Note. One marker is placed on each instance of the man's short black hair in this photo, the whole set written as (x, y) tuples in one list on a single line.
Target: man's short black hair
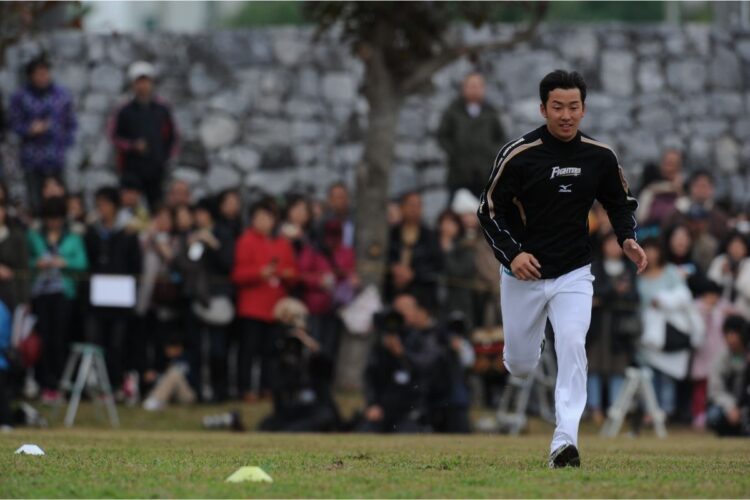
[(131, 183), (207, 205), (402, 199), (37, 62), (701, 173), (737, 324), (337, 185), (561, 79), (267, 204), (108, 193), (53, 208)]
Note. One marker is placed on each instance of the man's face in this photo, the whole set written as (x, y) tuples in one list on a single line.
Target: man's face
[(407, 307), (75, 207), (734, 342), (711, 298), (701, 189), (411, 209), (52, 188), (143, 87), (203, 218), (163, 221), (41, 77), (106, 209), (671, 165), (470, 221), (653, 255), (473, 89), (563, 112), (736, 249), (263, 221), (338, 200), (129, 197), (179, 194), (231, 206)]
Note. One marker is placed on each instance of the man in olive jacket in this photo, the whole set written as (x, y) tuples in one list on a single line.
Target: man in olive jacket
[(469, 133)]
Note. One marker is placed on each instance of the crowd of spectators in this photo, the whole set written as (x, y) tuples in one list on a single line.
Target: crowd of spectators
[(239, 298)]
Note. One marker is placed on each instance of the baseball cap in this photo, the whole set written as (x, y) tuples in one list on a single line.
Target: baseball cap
[(141, 69)]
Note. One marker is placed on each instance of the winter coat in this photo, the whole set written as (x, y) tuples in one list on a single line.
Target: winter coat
[(209, 275), (112, 251), (151, 122), (727, 380), (742, 287), (726, 278), (471, 144), (705, 356), (14, 253), (5, 336), (70, 248), (677, 309), (615, 321), (313, 265), (457, 282), (425, 261), (43, 152), (257, 296)]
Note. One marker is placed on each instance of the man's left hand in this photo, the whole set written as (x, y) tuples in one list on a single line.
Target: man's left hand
[(635, 253)]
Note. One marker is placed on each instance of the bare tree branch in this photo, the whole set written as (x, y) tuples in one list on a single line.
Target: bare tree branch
[(20, 19), (423, 73)]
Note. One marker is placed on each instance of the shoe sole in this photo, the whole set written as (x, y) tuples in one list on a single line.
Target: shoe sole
[(569, 457)]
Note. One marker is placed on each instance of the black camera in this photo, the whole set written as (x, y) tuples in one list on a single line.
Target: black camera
[(388, 321), (456, 324)]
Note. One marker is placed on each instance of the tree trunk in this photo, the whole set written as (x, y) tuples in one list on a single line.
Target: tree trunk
[(373, 173)]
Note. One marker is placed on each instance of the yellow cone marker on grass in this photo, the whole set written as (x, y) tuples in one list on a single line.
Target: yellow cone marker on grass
[(254, 474)]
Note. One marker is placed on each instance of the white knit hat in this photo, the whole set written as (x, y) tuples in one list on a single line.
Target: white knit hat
[(140, 69), (464, 202)]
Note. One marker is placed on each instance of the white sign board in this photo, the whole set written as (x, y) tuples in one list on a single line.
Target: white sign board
[(112, 290)]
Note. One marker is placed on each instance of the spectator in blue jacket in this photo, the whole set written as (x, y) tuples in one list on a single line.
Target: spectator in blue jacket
[(5, 331)]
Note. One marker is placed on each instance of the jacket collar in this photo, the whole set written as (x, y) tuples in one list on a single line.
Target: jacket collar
[(555, 143)]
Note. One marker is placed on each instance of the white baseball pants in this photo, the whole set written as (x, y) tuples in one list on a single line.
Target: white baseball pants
[(566, 300)]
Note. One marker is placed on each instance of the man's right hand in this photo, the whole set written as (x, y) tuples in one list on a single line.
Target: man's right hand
[(140, 146), (374, 413), (525, 267), (734, 416), (268, 271), (39, 127)]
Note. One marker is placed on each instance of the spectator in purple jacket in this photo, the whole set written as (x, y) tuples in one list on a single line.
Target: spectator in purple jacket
[(41, 113)]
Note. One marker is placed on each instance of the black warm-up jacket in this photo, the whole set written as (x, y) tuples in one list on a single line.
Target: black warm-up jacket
[(538, 198)]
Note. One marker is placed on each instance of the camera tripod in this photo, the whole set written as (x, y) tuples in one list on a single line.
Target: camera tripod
[(519, 394), (637, 383)]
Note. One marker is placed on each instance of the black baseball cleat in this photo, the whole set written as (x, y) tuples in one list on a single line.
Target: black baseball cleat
[(565, 456)]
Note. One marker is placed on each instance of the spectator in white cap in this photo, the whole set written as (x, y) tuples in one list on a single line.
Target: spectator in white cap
[(144, 134), (486, 285)]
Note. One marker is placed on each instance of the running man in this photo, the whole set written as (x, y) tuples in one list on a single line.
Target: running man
[(534, 212)]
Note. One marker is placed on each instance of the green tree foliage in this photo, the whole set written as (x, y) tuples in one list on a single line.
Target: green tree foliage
[(271, 13), (267, 14)]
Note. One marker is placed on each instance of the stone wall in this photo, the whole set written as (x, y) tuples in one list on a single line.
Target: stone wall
[(272, 109)]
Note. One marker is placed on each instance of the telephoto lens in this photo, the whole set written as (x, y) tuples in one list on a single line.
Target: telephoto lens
[(231, 420)]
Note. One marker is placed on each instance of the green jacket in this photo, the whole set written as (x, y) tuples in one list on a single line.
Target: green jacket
[(71, 249), (471, 144)]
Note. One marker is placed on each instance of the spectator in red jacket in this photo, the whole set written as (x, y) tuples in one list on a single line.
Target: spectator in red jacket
[(327, 271), (264, 268)]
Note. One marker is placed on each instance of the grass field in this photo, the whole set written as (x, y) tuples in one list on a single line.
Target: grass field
[(174, 462)]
